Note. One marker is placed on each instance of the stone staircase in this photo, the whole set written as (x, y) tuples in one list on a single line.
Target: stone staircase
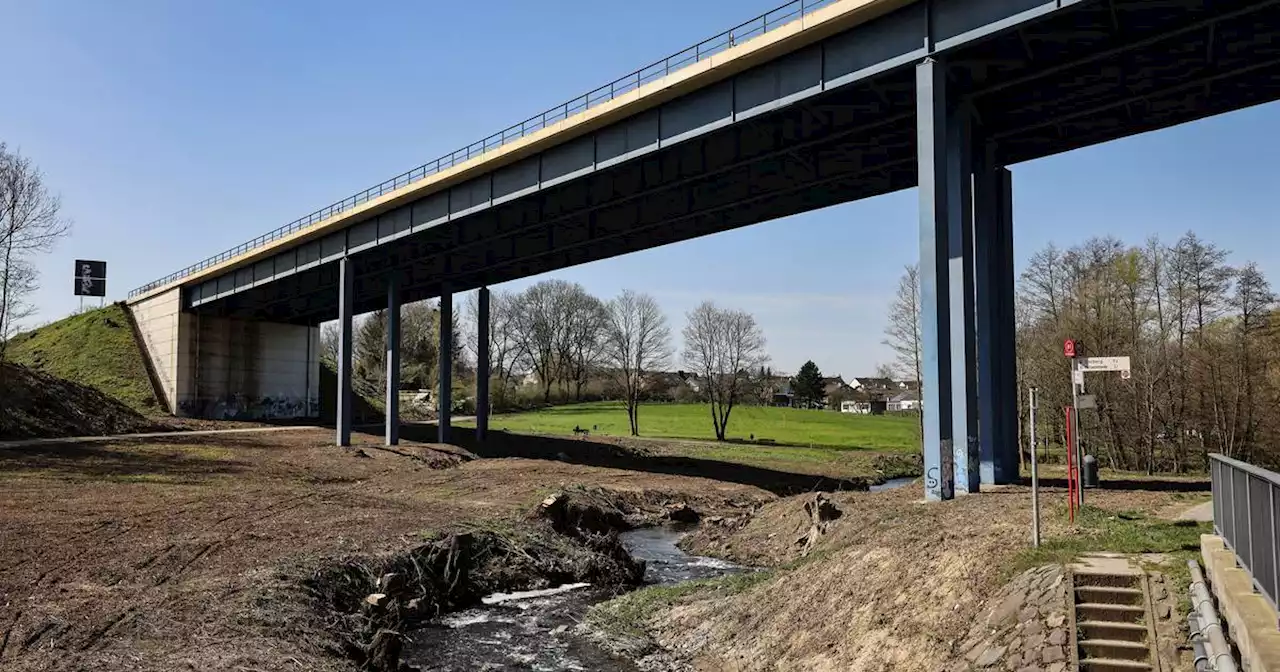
[(1113, 622)]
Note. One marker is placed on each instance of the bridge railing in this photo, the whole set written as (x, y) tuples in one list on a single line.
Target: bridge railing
[(707, 48), (1246, 512)]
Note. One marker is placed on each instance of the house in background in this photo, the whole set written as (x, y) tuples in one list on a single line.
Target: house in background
[(908, 400)]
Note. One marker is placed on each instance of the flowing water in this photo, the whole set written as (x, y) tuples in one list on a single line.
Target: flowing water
[(534, 630)]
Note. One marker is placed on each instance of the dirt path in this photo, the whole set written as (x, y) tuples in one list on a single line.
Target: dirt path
[(150, 555)]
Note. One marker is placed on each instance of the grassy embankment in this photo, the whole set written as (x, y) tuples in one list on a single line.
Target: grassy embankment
[(95, 348)]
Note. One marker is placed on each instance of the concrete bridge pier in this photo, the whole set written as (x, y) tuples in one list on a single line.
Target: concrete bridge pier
[(482, 364), (444, 405)]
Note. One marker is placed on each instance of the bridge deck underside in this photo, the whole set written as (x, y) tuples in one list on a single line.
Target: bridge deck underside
[(1072, 77)]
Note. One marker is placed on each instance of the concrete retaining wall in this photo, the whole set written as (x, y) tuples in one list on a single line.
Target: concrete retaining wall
[(254, 370), (1253, 625), (226, 368)]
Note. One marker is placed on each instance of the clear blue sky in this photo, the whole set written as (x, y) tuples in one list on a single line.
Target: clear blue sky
[(174, 130)]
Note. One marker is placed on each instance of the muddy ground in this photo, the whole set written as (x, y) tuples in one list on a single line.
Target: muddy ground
[(162, 556), (202, 553)]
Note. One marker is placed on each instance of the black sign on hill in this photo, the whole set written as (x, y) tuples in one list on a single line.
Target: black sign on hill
[(91, 278)]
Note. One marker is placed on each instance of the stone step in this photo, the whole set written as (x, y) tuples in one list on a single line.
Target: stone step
[(1112, 665), (1129, 632), (1119, 613), (1108, 595), (1083, 579), (1116, 649)]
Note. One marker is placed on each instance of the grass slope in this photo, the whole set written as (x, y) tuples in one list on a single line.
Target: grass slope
[(785, 426), (95, 348)]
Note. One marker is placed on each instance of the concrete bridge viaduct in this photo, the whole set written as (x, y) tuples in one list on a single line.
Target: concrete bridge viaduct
[(816, 103)]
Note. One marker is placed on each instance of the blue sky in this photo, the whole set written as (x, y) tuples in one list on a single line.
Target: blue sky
[(174, 130)]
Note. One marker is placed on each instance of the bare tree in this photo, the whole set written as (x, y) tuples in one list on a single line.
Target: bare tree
[(724, 347), (30, 223), (582, 341), (903, 332), (541, 316), (637, 340)]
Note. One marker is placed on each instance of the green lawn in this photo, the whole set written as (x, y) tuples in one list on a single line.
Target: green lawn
[(785, 426)]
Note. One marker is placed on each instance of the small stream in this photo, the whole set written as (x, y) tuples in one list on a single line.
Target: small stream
[(534, 630)]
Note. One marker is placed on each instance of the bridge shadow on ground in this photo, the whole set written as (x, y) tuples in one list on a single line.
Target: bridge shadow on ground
[(601, 454), (129, 462), (1147, 484)]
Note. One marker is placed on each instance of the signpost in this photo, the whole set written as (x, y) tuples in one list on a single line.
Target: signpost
[(1035, 472), (91, 279), (1080, 365)]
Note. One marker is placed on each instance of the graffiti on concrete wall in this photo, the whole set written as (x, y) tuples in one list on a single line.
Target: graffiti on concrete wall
[(246, 407)]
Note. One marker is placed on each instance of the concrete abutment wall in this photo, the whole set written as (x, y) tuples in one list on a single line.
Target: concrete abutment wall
[(224, 368)]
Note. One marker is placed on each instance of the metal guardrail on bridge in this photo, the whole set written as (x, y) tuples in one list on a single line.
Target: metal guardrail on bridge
[(760, 25), (1246, 514)]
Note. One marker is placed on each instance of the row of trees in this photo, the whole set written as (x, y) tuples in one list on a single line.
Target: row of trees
[(1204, 345), (561, 337), (1202, 335)]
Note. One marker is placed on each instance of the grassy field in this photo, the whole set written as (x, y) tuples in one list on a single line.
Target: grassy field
[(784, 426), (95, 348)]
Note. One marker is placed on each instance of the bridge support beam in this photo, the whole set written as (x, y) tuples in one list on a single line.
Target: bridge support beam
[(482, 364), (444, 400), (997, 358), (964, 384), (932, 116), (346, 296), (393, 360)]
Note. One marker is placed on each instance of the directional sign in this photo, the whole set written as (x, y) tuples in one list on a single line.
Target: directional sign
[(1104, 363)]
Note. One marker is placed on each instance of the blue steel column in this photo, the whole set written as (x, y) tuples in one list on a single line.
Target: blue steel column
[(1006, 356), (346, 291), (964, 385), (997, 357), (935, 314), (986, 226), (444, 400), (482, 364), (393, 360)]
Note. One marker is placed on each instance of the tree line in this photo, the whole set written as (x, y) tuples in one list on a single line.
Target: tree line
[(558, 338), (1201, 334)]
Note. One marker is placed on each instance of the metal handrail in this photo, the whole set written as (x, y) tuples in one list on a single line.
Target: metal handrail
[(1245, 516), (747, 30)]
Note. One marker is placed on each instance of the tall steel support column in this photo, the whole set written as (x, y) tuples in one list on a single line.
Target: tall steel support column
[(346, 296), (964, 384), (1000, 406), (393, 360), (932, 113), (986, 217), (444, 400), (482, 364)]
